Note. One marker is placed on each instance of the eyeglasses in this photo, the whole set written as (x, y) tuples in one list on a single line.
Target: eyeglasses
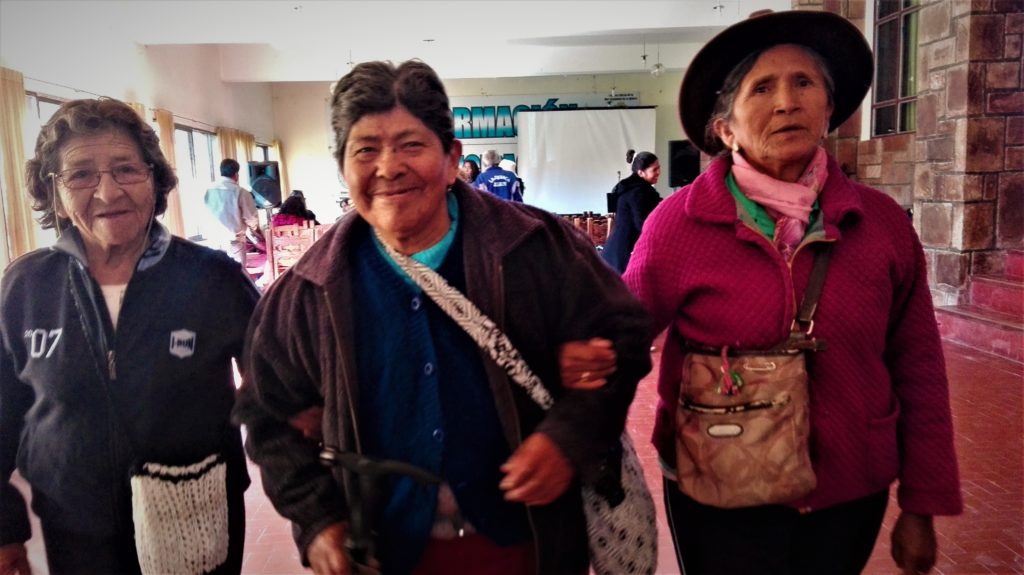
[(82, 178)]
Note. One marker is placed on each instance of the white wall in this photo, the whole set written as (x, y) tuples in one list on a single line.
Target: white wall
[(301, 122), (65, 54), (36, 40), (187, 82)]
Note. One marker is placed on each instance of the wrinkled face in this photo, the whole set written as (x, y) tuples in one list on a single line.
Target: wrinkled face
[(109, 215), (781, 112), (651, 174), (398, 173)]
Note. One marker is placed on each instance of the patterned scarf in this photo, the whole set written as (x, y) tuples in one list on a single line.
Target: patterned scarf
[(789, 203)]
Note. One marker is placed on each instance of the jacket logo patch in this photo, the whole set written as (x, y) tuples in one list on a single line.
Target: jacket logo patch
[(183, 343), (42, 342)]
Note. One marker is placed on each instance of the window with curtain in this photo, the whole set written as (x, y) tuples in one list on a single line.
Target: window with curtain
[(894, 106), (194, 155), (39, 109)]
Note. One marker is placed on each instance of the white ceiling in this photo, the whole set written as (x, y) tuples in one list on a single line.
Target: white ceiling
[(315, 40)]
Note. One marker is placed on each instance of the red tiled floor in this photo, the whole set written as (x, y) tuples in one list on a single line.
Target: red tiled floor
[(986, 394)]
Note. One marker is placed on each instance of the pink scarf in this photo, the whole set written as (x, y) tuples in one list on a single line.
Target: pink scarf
[(789, 203)]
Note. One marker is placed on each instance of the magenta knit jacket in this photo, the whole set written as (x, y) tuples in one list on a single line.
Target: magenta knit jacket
[(879, 396)]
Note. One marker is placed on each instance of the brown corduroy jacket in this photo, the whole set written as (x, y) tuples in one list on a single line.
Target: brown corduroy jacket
[(538, 278)]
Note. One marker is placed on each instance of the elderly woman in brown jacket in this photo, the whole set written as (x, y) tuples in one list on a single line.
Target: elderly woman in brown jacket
[(346, 330)]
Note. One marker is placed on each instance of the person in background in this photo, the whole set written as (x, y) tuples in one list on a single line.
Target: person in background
[(116, 347), (510, 166), (232, 207), (349, 338), (493, 179), (469, 171), (293, 211), (724, 262), (634, 198)]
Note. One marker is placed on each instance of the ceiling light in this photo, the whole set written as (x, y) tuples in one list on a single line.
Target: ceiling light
[(658, 70)]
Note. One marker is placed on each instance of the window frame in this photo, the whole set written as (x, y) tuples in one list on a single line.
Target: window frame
[(192, 211), (903, 106)]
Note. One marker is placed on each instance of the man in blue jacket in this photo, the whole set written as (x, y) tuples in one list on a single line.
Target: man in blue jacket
[(493, 179)]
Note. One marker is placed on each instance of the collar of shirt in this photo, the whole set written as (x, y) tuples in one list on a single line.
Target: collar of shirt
[(433, 256)]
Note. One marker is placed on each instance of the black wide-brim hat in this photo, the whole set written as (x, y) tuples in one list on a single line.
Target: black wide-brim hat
[(838, 41)]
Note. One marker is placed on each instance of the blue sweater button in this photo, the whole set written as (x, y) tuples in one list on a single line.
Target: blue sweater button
[(438, 435)]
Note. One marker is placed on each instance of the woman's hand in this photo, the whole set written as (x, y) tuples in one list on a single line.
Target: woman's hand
[(14, 560), (309, 422), (537, 473), (586, 364), (913, 543), (326, 553)]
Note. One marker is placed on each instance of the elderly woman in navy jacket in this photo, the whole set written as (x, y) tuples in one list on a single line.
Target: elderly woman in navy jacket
[(116, 347)]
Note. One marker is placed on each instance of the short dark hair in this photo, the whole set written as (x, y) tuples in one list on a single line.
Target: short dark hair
[(87, 117), (229, 168), (294, 205), (378, 87)]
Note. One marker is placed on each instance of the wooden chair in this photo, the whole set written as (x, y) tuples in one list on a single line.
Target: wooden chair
[(286, 244), (319, 230)]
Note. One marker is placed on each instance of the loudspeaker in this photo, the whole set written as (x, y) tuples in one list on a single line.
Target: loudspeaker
[(613, 201), (684, 163), (266, 184)]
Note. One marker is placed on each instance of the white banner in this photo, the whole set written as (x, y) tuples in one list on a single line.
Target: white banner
[(570, 159), (490, 122)]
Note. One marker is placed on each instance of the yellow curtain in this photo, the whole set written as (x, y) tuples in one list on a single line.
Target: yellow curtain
[(139, 108), (173, 218), (277, 155), (237, 145), (17, 225)]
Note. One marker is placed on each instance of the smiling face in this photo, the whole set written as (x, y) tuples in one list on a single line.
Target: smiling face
[(398, 174), (111, 217), (651, 173), (780, 114)]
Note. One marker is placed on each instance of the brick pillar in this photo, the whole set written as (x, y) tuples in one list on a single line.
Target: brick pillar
[(962, 171), (968, 166)]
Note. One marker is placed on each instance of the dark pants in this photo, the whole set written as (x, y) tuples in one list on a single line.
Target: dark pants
[(73, 553), (773, 539)]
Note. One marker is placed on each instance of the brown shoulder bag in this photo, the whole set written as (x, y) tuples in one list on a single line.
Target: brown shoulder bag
[(743, 422)]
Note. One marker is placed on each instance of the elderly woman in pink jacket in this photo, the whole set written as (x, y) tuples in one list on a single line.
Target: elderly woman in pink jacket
[(723, 264)]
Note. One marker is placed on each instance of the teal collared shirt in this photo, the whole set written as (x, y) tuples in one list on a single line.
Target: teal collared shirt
[(433, 256)]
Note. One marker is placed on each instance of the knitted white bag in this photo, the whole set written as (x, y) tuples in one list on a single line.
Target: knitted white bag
[(623, 539), (181, 517)]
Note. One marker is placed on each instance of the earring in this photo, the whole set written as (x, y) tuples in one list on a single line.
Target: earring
[(735, 146)]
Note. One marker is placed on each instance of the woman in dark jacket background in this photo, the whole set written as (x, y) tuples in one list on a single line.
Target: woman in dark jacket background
[(635, 198)]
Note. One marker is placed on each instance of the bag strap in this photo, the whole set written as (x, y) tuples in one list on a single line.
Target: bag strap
[(481, 328), (814, 286)]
